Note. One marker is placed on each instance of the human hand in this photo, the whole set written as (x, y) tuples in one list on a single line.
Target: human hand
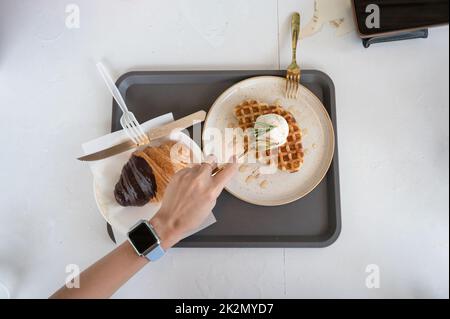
[(189, 199)]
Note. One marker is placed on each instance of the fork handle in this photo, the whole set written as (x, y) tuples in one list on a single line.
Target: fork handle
[(295, 26), (112, 87), (218, 169)]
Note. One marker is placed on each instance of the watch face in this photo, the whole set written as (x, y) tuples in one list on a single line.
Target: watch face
[(142, 238)]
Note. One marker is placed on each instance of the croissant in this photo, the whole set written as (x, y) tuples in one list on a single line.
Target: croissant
[(145, 176)]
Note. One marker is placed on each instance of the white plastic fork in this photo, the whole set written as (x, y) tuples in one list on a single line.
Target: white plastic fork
[(128, 121)]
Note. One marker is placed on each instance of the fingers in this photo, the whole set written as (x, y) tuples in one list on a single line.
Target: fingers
[(208, 165), (227, 173)]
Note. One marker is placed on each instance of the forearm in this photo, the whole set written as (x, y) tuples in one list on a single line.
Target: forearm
[(180, 213), (106, 276)]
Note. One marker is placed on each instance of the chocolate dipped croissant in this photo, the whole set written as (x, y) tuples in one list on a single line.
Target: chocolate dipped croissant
[(137, 184), (145, 176)]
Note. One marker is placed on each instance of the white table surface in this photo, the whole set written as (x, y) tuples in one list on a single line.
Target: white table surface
[(393, 125)]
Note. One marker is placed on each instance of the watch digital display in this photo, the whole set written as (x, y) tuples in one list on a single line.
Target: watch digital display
[(142, 238)]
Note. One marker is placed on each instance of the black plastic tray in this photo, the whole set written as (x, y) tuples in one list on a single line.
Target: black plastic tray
[(313, 221)]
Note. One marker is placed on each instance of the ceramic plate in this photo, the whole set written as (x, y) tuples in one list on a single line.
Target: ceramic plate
[(318, 141)]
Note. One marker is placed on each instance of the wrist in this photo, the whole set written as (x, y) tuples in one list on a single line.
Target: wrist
[(166, 231)]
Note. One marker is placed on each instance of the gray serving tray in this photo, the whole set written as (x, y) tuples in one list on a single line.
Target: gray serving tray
[(313, 221)]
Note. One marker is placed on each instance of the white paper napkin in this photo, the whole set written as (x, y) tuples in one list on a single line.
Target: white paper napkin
[(107, 172)]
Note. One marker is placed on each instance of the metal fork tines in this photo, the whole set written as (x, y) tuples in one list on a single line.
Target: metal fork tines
[(293, 72)]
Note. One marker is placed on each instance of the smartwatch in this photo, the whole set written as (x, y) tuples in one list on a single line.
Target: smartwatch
[(145, 241)]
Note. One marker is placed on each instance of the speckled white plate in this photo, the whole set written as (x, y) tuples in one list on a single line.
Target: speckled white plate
[(318, 140)]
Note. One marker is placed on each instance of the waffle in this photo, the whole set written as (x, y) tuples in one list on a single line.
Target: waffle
[(290, 155)]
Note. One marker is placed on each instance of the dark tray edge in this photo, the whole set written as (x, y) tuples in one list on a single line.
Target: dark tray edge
[(333, 237)]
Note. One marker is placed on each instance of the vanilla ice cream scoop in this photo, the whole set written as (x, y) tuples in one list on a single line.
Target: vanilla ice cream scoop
[(272, 127)]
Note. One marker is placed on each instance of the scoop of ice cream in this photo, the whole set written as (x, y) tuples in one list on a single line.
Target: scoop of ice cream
[(272, 127)]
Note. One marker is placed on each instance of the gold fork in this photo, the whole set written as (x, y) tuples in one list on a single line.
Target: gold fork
[(293, 72)]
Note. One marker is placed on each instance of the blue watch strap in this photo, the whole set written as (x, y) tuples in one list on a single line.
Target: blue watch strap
[(156, 253)]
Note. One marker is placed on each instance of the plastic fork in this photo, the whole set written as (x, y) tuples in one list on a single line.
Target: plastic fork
[(128, 121), (293, 72)]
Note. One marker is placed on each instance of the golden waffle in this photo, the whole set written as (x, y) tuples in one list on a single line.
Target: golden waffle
[(290, 155)]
